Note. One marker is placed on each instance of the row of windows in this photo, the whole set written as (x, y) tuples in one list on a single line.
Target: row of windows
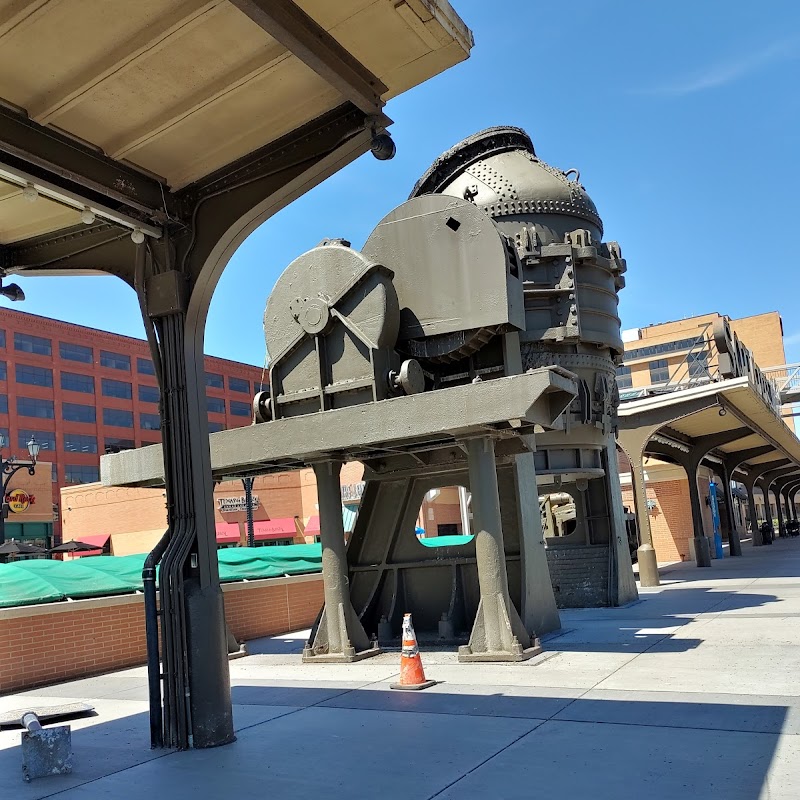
[(659, 370), (26, 343), (73, 442), (661, 349)]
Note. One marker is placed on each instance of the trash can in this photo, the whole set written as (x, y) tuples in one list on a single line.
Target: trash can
[(766, 533)]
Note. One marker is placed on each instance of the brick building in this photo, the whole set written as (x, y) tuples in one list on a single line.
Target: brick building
[(669, 355), (82, 392)]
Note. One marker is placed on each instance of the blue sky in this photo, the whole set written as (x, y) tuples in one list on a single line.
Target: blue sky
[(682, 117)]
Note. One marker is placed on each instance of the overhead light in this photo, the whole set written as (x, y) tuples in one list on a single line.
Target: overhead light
[(12, 291), (87, 216), (137, 237), (30, 193), (723, 411), (383, 146)]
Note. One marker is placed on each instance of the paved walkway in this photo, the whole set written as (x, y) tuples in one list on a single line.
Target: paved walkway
[(690, 692)]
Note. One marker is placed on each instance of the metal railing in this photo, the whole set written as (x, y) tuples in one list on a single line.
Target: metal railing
[(787, 379)]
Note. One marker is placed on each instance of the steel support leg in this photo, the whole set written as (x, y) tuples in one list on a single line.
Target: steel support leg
[(498, 633), (622, 589), (339, 636), (539, 610)]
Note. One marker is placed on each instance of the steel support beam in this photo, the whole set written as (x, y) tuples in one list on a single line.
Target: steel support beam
[(749, 481), (288, 24), (80, 169)]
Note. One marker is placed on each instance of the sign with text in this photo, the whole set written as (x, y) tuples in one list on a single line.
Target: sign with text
[(228, 505), (19, 500), (351, 492)]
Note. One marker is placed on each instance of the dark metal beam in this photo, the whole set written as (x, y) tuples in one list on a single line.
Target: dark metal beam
[(317, 49), (51, 155)]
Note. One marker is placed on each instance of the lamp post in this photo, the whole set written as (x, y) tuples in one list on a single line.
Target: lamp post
[(10, 468)]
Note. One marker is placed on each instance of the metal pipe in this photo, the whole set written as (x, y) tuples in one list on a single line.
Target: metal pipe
[(151, 633)]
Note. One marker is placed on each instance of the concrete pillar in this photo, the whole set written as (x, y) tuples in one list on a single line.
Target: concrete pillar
[(339, 636), (633, 443), (735, 546), (498, 633)]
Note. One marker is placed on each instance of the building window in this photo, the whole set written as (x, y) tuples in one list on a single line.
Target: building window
[(144, 366), (32, 407), (215, 405), (239, 409), (214, 381), (624, 379), (32, 344), (661, 349), (115, 361), (77, 412), (659, 371), (119, 389), (3, 371), (698, 364), (149, 394), (2, 338), (4, 404), (150, 422), (239, 385), (80, 443), (81, 473), (215, 427), (117, 417), (258, 386), (55, 473), (75, 352), (114, 445), (46, 439), (74, 382), (34, 376)]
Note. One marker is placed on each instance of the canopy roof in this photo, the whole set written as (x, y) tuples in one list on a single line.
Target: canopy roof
[(115, 104), (683, 417)]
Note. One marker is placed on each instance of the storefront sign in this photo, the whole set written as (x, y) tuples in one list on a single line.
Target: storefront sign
[(736, 361), (228, 505), (351, 492), (19, 500)]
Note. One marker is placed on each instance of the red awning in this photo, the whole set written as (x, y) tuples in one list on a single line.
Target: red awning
[(283, 528), (313, 525), (227, 532), (97, 539)]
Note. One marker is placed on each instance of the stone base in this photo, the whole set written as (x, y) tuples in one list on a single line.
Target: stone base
[(347, 657), (466, 656)]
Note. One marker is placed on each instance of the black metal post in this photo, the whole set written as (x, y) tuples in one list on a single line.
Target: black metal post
[(248, 501), (10, 468)]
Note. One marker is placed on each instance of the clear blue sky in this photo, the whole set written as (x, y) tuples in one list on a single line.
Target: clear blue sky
[(682, 118)]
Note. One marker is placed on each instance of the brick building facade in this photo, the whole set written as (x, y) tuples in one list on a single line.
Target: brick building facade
[(674, 353), (82, 392)]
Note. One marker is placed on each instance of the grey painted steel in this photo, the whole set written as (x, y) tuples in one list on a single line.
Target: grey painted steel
[(734, 545), (498, 633), (201, 227), (338, 635), (571, 281), (424, 422)]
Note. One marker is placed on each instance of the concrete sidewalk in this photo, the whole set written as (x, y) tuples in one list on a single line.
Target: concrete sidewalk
[(690, 692)]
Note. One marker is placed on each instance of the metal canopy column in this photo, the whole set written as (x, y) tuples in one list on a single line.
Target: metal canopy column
[(690, 461), (782, 486), (174, 277), (749, 481), (766, 482), (734, 545)]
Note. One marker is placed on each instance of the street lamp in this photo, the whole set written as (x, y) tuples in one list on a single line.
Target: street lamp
[(10, 468)]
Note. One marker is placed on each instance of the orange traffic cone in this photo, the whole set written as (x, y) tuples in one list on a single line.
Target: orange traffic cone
[(412, 676)]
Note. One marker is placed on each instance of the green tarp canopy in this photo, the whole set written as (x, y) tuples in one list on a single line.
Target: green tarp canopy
[(44, 581), (447, 541)]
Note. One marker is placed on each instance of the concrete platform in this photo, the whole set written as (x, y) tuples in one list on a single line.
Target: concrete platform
[(690, 692)]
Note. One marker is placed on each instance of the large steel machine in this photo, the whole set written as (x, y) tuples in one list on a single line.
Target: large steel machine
[(471, 342)]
